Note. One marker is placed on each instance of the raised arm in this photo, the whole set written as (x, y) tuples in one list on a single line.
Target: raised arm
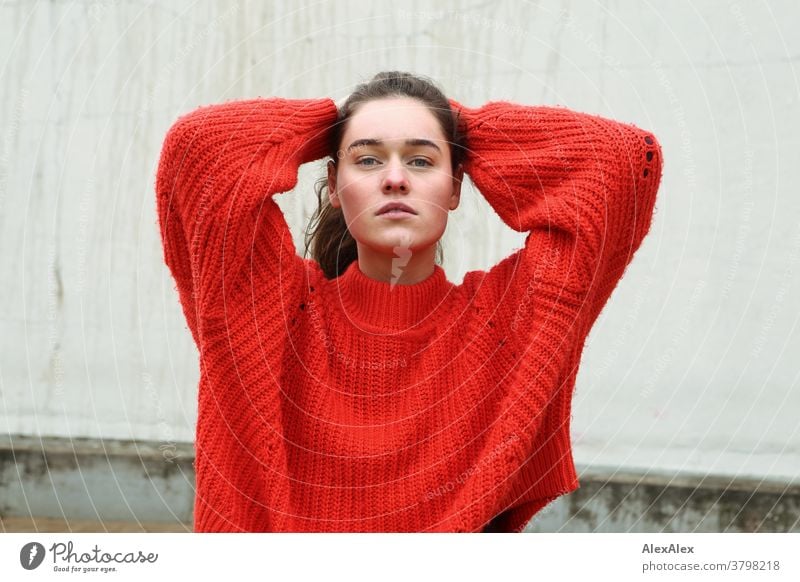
[(584, 186), (584, 189), (219, 167)]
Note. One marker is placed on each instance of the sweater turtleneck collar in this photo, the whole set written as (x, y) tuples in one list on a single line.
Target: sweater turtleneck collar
[(379, 305)]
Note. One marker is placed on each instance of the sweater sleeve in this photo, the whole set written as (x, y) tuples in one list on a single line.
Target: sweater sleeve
[(584, 189), (582, 186), (219, 166)]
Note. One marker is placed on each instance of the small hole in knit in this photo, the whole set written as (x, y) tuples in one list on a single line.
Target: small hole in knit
[(302, 306), (312, 289), (649, 156), (491, 323), (648, 140), (646, 171), (293, 320)]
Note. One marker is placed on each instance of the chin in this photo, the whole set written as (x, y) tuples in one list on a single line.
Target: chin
[(388, 245)]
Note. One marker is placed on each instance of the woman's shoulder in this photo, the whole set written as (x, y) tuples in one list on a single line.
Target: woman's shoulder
[(491, 280)]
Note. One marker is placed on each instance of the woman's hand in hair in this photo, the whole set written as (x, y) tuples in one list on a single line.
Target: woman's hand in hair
[(464, 114), (466, 118)]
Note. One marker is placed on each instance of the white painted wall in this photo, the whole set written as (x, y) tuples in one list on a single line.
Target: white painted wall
[(692, 365)]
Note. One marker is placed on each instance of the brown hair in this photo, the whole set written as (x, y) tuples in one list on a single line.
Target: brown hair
[(331, 243)]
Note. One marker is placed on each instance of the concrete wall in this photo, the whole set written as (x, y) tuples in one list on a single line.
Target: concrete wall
[(57, 484), (693, 364)]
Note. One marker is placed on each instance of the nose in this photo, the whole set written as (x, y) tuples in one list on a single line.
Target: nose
[(395, 179)]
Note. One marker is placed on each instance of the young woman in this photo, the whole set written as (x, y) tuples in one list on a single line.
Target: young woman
[(360, 390)]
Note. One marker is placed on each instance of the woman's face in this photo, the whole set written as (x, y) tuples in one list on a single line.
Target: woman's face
[(393, 150)]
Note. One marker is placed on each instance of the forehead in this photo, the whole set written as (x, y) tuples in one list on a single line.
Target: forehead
[(390, 118)]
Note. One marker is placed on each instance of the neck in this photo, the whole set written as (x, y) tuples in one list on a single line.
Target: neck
[(402, 268), (384, 307)]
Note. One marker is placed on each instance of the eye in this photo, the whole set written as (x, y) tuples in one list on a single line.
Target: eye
[(425, 162), (361, 161)]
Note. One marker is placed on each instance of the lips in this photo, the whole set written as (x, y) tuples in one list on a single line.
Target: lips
[(397, 206)]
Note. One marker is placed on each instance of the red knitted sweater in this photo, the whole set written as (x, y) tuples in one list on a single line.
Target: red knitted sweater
[(354, 405)]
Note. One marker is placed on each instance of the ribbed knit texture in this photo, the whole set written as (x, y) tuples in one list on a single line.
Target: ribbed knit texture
[(355, 405)]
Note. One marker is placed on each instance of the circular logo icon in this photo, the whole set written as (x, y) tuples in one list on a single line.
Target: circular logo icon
[(31, 555)]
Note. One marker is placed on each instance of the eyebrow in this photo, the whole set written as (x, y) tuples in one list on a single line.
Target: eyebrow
[(409, 142)]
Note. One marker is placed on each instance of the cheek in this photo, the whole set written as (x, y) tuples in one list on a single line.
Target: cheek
[(354, 197), (443, 191), (347, 189), (356, 181)]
